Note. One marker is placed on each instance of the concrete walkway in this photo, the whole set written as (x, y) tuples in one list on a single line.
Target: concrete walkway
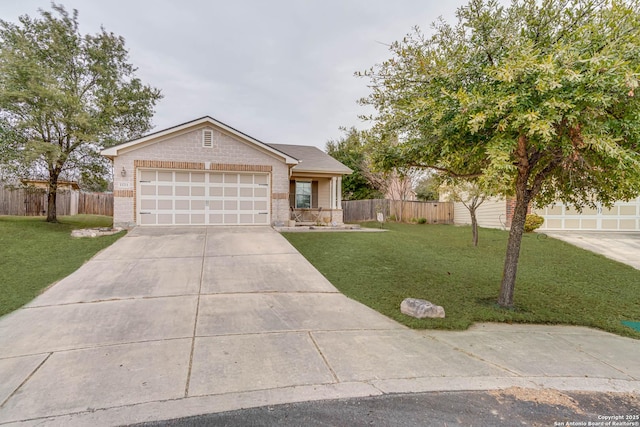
[(170, 323), (617, 245)]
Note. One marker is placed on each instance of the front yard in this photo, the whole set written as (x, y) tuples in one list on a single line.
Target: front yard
[(557, 283), (35, 254)]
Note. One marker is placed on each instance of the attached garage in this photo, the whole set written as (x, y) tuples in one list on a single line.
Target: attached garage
[(622, 216), (199, 173), (206, 173), (182, 197)]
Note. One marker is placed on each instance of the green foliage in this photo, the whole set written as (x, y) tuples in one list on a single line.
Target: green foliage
[(422, 220), (91, 182), (65, 96), (558, 77), (535, 100), (560, 283), (350, 150), (36, 254), (428, 189), (533, 222)]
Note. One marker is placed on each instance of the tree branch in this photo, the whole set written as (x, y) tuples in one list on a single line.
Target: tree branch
[(447, 171)]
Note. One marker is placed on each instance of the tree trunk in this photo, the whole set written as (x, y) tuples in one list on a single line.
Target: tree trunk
[(474, 226), (513, 245), (51, 197)]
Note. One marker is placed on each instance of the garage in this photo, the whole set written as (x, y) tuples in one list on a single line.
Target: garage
[(183, 197), (495, 213), (622, 216), (204, 172)]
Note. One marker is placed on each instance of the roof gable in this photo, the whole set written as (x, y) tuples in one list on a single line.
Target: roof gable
[(151, 138), (312, 159)]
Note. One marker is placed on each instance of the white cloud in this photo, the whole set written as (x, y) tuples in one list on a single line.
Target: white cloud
[(278, 70)]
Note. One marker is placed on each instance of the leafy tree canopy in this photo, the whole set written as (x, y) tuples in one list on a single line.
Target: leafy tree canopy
[(350, 150), (539, 97), (427, 188), (64, 96), (548, 87)]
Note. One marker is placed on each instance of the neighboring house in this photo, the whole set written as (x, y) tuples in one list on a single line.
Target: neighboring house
[(44, 184), (400, 188), (492, 213), (497, 213), (205, 172)]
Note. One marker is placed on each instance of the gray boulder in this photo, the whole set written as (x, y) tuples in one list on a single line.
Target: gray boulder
[(421, 308)]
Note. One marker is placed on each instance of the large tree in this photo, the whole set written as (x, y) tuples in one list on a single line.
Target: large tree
[(350, 150), (64, 96), (539, 95)]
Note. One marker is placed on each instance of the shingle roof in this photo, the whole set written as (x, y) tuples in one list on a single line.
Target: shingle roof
[(312, 159), (112, 152)]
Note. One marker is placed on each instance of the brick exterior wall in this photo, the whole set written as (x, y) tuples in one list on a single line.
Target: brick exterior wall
[(511, 206), (185, 151)]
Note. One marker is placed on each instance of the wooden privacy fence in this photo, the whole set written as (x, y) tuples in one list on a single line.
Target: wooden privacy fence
[(33, 202), (364, 210), (406, 211), (95, 203)]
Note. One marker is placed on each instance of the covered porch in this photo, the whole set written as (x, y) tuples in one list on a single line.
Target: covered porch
[(315, 200), (315, 186)]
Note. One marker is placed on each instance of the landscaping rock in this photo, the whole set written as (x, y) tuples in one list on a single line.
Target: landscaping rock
[(420, 308), (95, 232)]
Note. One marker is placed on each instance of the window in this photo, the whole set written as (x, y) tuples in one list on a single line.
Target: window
[(303, 194)]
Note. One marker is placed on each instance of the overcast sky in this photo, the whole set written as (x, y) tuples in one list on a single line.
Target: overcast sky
[(280, 71)]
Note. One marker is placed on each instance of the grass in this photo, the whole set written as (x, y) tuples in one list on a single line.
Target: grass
[(557, 283), (34, 254)]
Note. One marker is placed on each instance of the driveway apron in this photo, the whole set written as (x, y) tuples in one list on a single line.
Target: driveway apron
[(621, 246), (172, 322)]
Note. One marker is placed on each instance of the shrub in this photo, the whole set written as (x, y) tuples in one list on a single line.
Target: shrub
[(422, 220), (532, 222)]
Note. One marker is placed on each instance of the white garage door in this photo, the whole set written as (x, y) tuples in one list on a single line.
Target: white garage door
[(168, 197), (623, 216)]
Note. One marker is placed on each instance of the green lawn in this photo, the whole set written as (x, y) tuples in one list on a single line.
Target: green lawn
[(557, 283), (35, 254)]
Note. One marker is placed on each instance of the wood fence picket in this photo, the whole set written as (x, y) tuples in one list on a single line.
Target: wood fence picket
[(33, 202), (366, 210)]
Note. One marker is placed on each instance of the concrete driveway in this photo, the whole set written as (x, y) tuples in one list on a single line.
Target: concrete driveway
[(620, 246), (174, 322)]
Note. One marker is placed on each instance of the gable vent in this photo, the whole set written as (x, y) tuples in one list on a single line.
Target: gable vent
[(207, 138)]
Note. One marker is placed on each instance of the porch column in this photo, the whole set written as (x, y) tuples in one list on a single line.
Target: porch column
[(332, 193), (339, 193)]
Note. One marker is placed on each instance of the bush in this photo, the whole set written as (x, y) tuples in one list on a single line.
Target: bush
[(422, 220), (532, 222)]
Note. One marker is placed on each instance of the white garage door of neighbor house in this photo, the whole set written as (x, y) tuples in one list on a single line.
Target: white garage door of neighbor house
[(623, 216), (174, 197)]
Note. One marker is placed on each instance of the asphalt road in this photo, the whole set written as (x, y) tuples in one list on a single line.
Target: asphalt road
[(511, 407)]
